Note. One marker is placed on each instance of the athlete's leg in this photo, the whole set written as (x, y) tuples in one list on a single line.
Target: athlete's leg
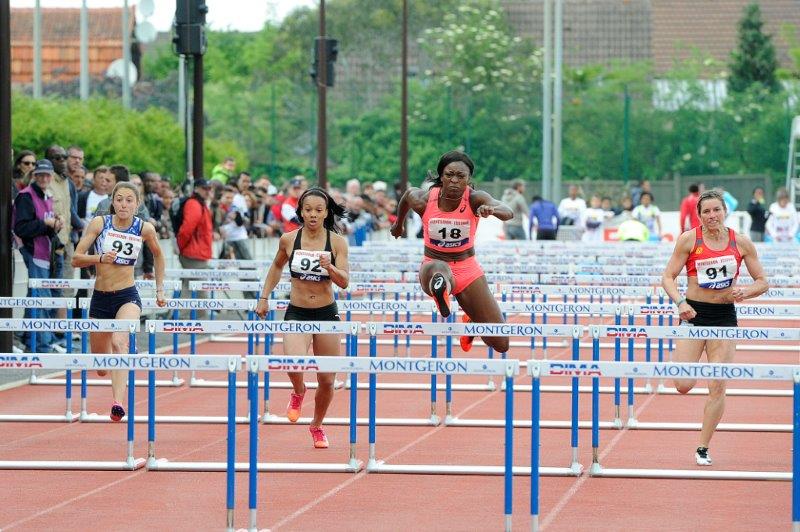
[(119, 346), (687, 351), (437, 281), (718, 351), (296, 345), (480, 305), (100, 344), (324, 345)]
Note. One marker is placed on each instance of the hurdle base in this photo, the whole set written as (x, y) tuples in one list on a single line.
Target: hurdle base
[(595, 470), (74, 465), (163, 464), (272, 419), (103, 418), (700, 474), (68, 417), (726, 427), (523, 423), (379, 466), (161, 383)]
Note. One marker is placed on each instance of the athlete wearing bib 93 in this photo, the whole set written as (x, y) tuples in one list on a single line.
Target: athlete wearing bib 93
[(127, 243), (712, 254)]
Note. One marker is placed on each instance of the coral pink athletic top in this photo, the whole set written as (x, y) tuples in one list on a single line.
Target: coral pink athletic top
[(451, 231), (714, 269)]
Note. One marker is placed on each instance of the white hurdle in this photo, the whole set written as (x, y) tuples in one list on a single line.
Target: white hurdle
[(36, 361)]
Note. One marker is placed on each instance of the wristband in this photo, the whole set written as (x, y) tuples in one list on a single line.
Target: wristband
[(100, 258), (680, 301), (264, 298)]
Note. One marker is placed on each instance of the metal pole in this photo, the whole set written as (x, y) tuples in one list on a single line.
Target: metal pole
[(126, 57), (197, 118), (322, 78), (547, 103), (557, 93), (273, 145), (6, 253), (84, 79), (404, 105), (182, 114), (37, 50), (626, 132)]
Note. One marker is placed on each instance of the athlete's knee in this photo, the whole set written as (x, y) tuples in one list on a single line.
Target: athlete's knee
[(499, 344), (684, 387), (716, 389), (119, 346), (325, 382)]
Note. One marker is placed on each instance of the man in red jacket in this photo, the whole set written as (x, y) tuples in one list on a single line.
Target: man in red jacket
[(689, 218), (196, 232)]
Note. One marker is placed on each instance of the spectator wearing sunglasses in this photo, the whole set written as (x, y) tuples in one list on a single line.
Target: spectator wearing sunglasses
[(23, 164)]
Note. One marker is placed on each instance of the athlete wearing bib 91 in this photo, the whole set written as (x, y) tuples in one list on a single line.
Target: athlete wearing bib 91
[(317, 258), (450, 211), (117, 239), (712, 255)]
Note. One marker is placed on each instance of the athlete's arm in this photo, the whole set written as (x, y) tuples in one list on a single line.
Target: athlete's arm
[(274, 273), (340, 271), (150, 237), (676, 263), (81, 259), (485, 205), (750, 258), (413, 199)]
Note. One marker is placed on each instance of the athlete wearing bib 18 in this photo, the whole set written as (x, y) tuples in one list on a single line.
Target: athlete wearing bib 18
[(317, 257), (116, 240), (450, 211), (712, 255)]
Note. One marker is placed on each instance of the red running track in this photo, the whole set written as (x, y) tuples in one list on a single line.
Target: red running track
[(77, 500)]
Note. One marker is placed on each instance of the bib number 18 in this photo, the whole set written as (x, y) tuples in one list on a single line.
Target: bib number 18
[(455, 233)]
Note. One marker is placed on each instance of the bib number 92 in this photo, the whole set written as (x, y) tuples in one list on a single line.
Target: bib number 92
[(308, 265)]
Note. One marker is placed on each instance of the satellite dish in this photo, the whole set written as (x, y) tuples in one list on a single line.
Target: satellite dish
[(145, 32), (116, 70), (147, 7)]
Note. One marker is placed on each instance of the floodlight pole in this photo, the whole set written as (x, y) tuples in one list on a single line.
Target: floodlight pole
[(6, 252), (322, 80), (404, 105)]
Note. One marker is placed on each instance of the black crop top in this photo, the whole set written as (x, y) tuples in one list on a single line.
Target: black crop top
[(304, 264)]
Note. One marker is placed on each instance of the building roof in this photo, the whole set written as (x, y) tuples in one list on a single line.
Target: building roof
[(711, 27)]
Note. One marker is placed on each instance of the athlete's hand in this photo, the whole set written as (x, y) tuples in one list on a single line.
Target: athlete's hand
[(262, 308), (325, 261), (149, 276), (737, 295), (108, 257), (396, 229), (686, 312), (161, 301), (485, 211)]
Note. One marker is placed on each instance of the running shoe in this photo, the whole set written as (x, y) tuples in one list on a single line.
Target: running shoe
[(294, 406), (318, 435), (440, 294), (702, 457), (117, 412), (466, 341)]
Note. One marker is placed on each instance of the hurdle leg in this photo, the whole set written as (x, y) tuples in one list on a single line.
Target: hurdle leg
[(129, 460), (535, 441), (372, 461), (252, 393), (177, 381), (434, 354), (617, 358), (575, 466), (508, 470), (68, 381), (151, 404), (595, 467), (448, 379), (354, 463), (84, 349), (193, 340), (796, 456), (230, 469)]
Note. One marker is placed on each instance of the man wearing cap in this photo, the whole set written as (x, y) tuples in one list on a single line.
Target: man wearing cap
[(195, 235), (37, 225), (289, 207)]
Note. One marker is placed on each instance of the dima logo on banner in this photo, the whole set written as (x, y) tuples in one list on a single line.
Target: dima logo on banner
[(402, 328), (284, 364), (570, 369), (626, 332), (182, 327), (10, 361)]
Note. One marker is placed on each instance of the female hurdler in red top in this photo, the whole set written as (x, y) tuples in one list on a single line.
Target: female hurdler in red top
[(450, 210)]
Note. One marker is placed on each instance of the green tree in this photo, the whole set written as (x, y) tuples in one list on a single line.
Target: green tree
[(753, 61)]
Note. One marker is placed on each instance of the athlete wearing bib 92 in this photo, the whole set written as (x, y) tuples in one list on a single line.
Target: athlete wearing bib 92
[(117, 239), (317, 258), (712, 255), (450, 211)]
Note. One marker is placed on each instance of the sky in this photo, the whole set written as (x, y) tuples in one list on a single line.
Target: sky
[(242, 15)]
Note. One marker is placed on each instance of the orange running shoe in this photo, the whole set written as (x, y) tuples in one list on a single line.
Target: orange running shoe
[(440, 294), (294, 406), (318, 435), (466, 341)]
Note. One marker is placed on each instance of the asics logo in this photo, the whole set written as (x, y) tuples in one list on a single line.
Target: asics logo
[(463, 208), (437, 284)]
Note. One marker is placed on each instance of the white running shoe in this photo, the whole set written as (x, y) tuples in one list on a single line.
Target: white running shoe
[(702, 457)]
